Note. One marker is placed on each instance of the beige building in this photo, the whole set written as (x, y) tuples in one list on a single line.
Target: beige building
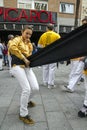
[(65, 10), (84, 9)]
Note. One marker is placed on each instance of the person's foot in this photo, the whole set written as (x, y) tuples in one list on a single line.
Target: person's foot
[(51, 86), (1, 69), (27, 119), (45, 84), (82, 80), (83, 112), (31, 104), (78, 83), (69, 90)]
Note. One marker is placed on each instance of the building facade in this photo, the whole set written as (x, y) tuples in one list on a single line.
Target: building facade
[(84, 9), (66, 10), (60, 12)]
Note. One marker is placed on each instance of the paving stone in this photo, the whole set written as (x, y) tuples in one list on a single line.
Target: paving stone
[(37, 126), (57, 121), (55, 109), (12, 122), (37, 113)]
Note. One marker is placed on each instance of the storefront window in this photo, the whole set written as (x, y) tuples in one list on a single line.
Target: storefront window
[(25, 5), (40, 6), (67, 8), (65, 29), (1, 2)]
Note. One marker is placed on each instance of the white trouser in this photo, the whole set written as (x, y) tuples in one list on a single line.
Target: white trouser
[(85, 83), (49, 73), (9, 61), (1, 63), (28, 83), (76, 73)]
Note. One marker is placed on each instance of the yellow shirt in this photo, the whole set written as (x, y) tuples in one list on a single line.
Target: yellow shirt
[(85, 72), (76, 58), (48, 38), (20, 48)]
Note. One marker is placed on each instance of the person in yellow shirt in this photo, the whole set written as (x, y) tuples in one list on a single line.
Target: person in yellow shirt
[(20, 49), (46, 39)]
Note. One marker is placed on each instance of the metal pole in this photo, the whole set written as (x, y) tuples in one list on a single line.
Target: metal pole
[(77, 13)]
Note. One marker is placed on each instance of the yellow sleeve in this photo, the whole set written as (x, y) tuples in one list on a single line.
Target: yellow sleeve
[(59, 36), (30, 48), (42, 41), (13, 48)]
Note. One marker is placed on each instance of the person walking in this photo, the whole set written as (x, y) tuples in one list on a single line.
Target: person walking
[(48, 70), (1, 56), (76, 73), (10, 37), (5, 54), (20, 49), (83, 111)]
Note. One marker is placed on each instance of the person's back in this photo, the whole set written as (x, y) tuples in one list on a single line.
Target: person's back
[(48, 70), (48, 37)]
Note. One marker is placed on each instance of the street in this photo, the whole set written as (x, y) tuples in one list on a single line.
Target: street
[(55, 109)]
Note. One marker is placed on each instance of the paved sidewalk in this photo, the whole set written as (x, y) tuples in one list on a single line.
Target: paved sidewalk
[(56, 109)]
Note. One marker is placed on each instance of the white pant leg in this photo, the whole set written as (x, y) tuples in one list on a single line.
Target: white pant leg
[(45, 73), (32, 81), (85, 83), (9, 62), (21, 76), (76, 74), (9, 59), (52, 68), (1, 62), (73, 68)]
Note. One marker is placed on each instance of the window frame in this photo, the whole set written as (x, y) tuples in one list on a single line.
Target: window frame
[(25, 3), (1, 3), (73, 5), (40, 2)]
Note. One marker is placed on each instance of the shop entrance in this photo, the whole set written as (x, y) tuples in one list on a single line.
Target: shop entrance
[(34, 38)]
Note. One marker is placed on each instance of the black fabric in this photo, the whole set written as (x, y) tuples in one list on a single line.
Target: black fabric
[(16, 61), (72, 45)]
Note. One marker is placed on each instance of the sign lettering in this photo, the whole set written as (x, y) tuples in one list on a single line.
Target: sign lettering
[(28, 16)]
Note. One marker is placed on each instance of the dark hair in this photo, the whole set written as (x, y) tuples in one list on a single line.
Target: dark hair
[(27, 27), (50, 26)]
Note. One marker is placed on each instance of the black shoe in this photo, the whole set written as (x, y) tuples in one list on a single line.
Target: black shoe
[(27, 120), (83, 112), (81, 80), (31, 104)]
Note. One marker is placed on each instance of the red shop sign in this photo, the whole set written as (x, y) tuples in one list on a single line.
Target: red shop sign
[(30, 16)]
